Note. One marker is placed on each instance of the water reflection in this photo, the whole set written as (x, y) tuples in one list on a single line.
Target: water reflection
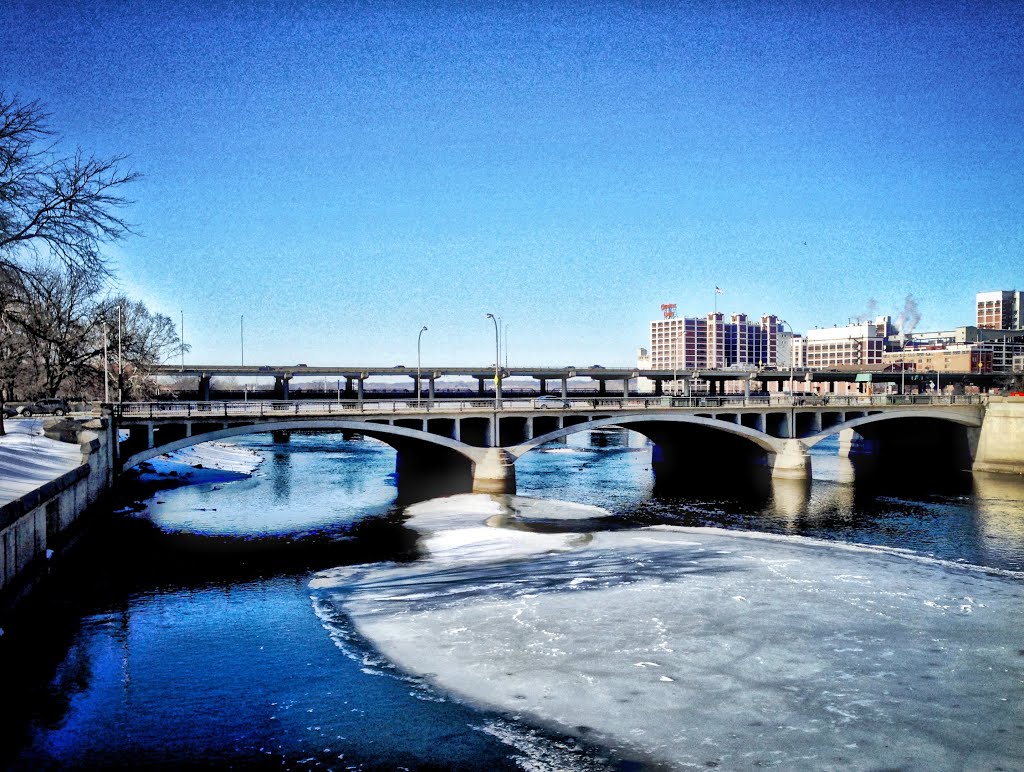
[(790, 500), (279, 472), (999, 506)]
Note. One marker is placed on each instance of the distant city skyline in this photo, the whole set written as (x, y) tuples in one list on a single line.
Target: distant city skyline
[(345, 175)]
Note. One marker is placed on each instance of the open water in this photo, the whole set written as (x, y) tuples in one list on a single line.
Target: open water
[(190, 636)]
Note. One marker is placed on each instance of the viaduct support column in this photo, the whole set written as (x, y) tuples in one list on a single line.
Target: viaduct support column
[(565, 388), (204, 388), (792, 462), (281, 386), (659, 387), (480, 386), (543, 386), (430, 387), (495, 472), (602, 387), (359, 390)]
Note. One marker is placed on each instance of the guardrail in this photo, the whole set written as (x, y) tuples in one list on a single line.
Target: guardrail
[(555, 405)]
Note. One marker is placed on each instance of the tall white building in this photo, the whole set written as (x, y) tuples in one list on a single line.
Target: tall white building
[(999, 310)]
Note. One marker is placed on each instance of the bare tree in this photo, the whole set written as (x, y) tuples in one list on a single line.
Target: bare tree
[(53, 205), (141, 339), (59, 317)]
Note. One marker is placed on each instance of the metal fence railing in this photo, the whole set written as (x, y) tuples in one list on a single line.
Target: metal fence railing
[(548, 405)]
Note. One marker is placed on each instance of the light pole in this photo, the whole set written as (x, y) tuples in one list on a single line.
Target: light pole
[(792, 338), (182, 328), (497, 388), (507, 325), (418, 338), (106, 362), (241, 331), (120, 360)]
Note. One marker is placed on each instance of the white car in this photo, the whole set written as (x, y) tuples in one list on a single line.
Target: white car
[(549, 400)]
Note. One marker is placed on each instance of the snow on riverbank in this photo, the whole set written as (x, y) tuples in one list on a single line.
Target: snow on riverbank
[(29, 460), (698, 648), (208, 462)]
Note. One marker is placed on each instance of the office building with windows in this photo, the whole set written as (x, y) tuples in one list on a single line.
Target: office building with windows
[(999, 310), (855, 344), (712, 343)]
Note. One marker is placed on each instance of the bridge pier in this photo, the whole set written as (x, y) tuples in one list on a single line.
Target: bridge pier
[(281, 386), (480, 386), (792, 462), (203, 390), (565, 388), (543, 386), (495, 472), (853, 444)]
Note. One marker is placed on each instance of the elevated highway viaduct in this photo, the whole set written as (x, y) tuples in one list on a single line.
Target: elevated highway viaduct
[(611, 381)]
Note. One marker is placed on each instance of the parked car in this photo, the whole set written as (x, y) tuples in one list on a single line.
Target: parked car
[(10, 412), (549, 400), (46, 407)]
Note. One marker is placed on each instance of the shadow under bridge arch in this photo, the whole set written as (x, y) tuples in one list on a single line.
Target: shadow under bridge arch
[(688, 449), (909, 442), (426, 464)]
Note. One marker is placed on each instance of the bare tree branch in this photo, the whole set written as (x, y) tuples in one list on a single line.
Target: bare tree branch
[(51, 205)]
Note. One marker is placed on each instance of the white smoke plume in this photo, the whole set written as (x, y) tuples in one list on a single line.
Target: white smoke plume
[(869, 314), (909, 316)]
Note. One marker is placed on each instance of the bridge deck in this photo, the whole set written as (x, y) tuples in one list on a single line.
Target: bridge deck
[(274, 409)]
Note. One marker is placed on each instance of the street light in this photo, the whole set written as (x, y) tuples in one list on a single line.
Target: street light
[(418, 338), (241, 330), (792, 338), (497, 365)]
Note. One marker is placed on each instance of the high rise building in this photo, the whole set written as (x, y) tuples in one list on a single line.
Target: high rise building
[(999, 310), (711, 343)]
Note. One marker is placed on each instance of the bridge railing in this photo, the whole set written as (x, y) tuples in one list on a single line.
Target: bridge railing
[(284, 409)]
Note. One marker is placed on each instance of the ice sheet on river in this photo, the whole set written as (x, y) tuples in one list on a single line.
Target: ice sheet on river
[(700, 647)]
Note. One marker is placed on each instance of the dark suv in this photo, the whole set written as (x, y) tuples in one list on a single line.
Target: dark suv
[(46, 406)]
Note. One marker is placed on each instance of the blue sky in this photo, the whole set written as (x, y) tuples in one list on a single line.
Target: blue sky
[(342, 174)]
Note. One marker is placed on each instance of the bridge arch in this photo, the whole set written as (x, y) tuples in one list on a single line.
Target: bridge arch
[(635, 422), (969, 419), (392, 435)]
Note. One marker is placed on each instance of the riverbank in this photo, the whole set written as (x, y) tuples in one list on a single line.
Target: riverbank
[(54, 470)]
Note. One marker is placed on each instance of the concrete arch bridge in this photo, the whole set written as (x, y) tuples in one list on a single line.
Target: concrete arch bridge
[(475, 443)]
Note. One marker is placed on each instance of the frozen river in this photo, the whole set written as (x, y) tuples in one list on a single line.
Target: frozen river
[(591, 622)]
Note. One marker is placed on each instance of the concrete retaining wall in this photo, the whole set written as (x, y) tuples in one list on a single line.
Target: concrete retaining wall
[(1001, 442), (42, 519)]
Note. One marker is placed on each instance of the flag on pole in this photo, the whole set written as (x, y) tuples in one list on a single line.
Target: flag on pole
[(718, 290)]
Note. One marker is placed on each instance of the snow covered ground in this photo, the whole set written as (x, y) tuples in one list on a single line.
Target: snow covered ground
[(29, 460), (208, 462), (702, 648)]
